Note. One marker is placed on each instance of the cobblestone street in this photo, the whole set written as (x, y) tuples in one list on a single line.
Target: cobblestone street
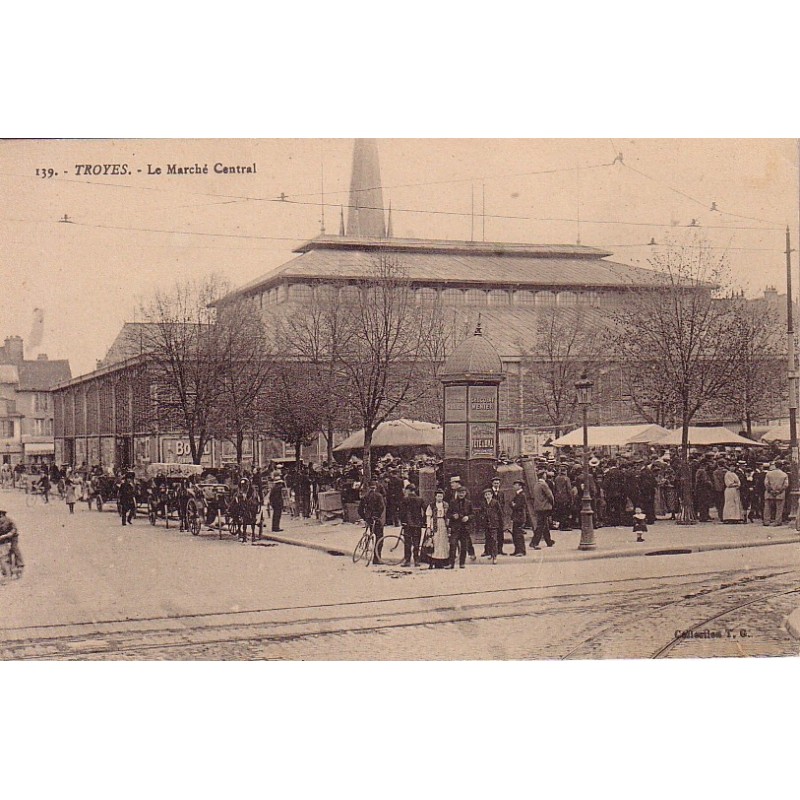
[(95, 590)]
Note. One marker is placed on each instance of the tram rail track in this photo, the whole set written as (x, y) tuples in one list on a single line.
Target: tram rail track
[(170, 633)]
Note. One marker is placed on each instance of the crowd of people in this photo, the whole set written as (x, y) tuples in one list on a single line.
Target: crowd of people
[(733, 486)]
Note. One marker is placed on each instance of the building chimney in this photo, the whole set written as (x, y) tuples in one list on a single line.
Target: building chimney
[(14, 349), (771, 295), (41, 357)]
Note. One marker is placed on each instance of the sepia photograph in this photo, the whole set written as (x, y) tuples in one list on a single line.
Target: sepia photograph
[(399, 399)]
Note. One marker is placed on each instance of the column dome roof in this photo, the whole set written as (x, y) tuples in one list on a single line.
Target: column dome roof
[(474, 359)]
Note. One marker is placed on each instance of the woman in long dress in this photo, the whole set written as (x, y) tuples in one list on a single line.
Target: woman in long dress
[(732, 510), (437, 527)]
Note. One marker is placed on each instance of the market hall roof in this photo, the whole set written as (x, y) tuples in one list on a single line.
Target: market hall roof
[(454, 262)]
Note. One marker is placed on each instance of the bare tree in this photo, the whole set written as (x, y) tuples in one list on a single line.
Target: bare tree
[(182, 341), (245, 368), (680, 339), (315, 334), (759, 384), (567, 344), (295, 406), (384, 362)]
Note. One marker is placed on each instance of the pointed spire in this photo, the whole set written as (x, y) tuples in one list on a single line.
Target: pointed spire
[(365, 215), (341, 221), (389, 232)]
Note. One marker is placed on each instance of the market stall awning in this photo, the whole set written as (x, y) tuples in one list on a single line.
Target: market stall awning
[(397, 433), (612, 435), (708, 437), (780, 433)]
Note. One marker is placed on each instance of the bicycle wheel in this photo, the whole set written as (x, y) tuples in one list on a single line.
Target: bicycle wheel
[(391, 549), (31, 499), (369, 549), (361, 547)]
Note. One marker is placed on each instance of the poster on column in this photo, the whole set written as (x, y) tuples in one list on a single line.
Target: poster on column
[(482, 440), (482, 403)]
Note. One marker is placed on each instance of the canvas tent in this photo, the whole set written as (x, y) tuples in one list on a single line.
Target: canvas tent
[(612, 435), (397, 433), (780, 433), (708, 437)]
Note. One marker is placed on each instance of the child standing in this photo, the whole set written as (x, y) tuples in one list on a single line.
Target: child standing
[(69, 496), (639, 525)]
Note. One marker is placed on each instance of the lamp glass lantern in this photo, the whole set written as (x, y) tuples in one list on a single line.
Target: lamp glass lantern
[(584, 389)]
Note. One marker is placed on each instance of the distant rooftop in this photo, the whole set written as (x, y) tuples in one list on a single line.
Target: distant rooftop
[(433, 261)]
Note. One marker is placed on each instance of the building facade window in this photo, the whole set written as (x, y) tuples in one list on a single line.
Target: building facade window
[(280, 297), (350, 294), (42, 427), (326, 293), (566, 299), (453, 297), (545, 299), (41, 401), (499, 297), (300, 293), (7, 428), (425, 294), (475, 297), (524, 298)]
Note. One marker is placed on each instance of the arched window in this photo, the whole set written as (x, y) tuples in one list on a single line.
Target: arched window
[(326, 293), (453, 297), (524, 298), (349, 294), (426, 294), (545, 299), (499, 297), (475, 297), (300, 293), (566, 299)]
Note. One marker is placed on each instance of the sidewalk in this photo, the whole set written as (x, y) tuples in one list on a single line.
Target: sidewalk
[(663, 538)]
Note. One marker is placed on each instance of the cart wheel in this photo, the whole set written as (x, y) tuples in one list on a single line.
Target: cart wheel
[(152, 515), (261, 526), (166, 517), (219, 524), (99, 504)]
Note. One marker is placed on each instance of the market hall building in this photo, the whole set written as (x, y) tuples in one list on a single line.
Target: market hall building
[(513, 289)]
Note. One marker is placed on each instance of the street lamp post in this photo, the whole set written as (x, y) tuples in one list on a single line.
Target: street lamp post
[(584, 389)]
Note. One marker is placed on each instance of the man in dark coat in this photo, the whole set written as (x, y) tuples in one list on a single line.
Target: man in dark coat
[(412, 518), (647, 494), (562, 493), (491, 516), (276, 504), (394, 497), (372, 509), (501, 504), (459, 513), (703, 492), (127, 500), (519, 513), (615, 495)]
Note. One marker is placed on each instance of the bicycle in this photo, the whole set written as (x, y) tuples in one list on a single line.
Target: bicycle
[(365, 549), (392, 548), (34, 497)]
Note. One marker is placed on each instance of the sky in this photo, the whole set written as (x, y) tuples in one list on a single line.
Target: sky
[(129, 234)]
